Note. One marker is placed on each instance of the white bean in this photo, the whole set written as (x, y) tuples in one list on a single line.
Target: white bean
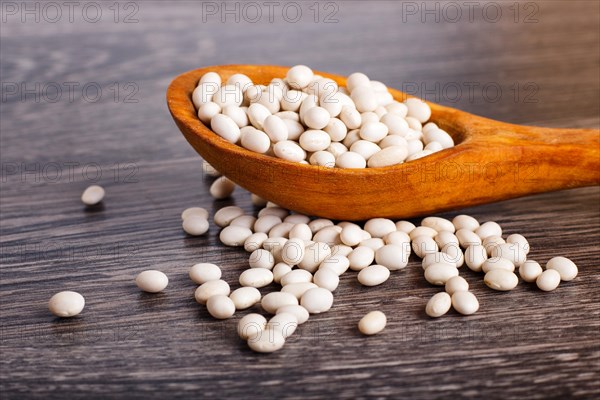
[(489, 228), (350, 117), (261, 258), (204, 272), (455, 284), (418, 109), (497, 263), (299, 76), (373, 275), (152, 281), (397, 108), (317, 300), (300, 231), (92, 195), (365, 148), (439, 224), (314, 255), (329, 235), (255, 140), (465, 222), (292, 99), (225, 215), (234, 235), (490, 242), (444, 238), (207, 111), (211, 77), (465, 302), (372, 323), (316, 118), (298, 288), (211, 288), (467, 238), (314, 140), (256, 277), (565, 267), (423, 245), (245, 297), (510, 251), (221, 188), (257, 114), (438, 257), (251, 325), (439, 136), (364, 98), (245, 221), (373, 243), (289, 150), (267, 341), (275, 128), (220, 306), (195, 225), (548, 280), (422, 231), (225, 127), (281, 230), (361, 257), (338, 263), (323, 159), (520, 241), (336, 129), (379, 227), (438, 305), (284, 323), (271, 302), (237, 114), (475, 256), (66, 304), (350, 159), (195, 211), (298, 311), (392, 256), (405, 226), (296, 276), (530, 270), (440, 273), (280, 270), (326, 278), (501, 279), (351, 235)]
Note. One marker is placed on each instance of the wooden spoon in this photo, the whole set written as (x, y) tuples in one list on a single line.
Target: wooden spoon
[(491, 161)]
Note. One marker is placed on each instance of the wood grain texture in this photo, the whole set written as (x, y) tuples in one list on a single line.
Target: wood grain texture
[(491, 161), (522, 344)]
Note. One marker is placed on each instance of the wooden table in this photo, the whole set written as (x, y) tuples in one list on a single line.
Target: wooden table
[(537, 66)]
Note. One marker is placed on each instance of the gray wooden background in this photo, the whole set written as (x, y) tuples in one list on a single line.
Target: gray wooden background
[(83, 101)]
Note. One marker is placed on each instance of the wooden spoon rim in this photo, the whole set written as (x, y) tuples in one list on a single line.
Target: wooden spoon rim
[(180, 92)]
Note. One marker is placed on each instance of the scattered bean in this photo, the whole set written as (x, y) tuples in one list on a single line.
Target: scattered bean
[(66, 304), (372, 323), (152, 281)]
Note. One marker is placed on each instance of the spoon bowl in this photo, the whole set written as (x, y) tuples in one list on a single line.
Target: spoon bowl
[(491, 161)]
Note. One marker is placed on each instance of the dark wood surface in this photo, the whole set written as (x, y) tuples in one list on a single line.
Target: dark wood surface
[(522, 344)]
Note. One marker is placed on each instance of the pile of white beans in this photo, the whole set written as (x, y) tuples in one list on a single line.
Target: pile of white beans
[(309, 119), (306, 257)]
